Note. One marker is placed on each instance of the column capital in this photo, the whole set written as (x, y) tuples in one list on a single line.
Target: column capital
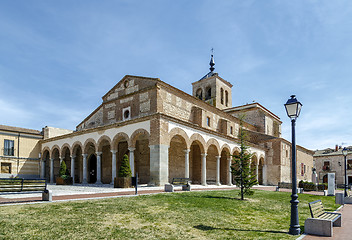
[(113, 151), (131, 149), (203, 154), (98, 153), (84, 155), (187, 150), (73, 156), (218, 157)]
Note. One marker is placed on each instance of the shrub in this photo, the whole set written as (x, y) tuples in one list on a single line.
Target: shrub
[(64, 173), (125, 169)]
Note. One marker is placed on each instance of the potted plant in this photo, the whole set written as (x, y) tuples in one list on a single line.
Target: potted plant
[(64, 176), (124, 180)]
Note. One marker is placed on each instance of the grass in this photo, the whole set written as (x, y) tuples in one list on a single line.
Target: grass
[(187, 215)]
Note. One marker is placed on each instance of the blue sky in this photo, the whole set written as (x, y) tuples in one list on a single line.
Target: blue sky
[(58, 58)]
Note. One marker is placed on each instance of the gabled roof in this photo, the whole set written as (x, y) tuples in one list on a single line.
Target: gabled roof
[(252, 105)]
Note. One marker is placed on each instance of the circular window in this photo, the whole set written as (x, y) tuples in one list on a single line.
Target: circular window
[(126, 83), (126, 114)]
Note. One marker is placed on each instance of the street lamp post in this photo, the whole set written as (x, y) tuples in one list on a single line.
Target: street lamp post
[(293, 109), (344, 152)]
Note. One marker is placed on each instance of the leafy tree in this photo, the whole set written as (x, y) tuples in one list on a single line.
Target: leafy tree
[(125, 169), (244, 175)]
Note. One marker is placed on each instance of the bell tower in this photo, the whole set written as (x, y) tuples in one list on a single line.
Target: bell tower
[(213, 89)]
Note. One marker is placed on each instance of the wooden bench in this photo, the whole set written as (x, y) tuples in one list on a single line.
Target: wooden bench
[(180, 181), (20, 185), (184, 182), (321, 222)]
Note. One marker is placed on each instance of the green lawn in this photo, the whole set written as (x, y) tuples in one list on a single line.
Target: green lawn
[(187, 215)]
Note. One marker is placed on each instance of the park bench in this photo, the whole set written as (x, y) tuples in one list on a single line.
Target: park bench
[(184, 182), (321, 222), (20, 185)]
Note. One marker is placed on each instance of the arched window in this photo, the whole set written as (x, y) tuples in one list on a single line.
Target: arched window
[(199, 94), (208, 93), (226, 98), (222, 95)]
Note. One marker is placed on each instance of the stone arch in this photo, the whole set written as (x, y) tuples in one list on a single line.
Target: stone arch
[(211, 162), (46, 161), (118, 137), (101, 140), (226, 148), (261, 160), (225, 155), (177, 152), (87, 143), (199, 93), (135, 134), (104, 147), (53, 149), (181, 133), (63, 149), (260, 170), (75, 147), (236, 150), (214, 142), (139, 148), (254, 160), (46, 148), (196, 137)]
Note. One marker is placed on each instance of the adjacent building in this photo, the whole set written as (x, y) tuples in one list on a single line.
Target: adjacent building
[(331, 160), (20, 152)]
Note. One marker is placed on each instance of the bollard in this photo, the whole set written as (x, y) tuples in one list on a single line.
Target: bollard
[(339, 198)]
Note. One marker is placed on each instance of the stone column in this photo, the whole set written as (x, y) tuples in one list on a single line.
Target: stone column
[(229, 179), (113, 166), (218, 170), (204, 169), (187, 162), (131, 149), (42, 168), (85, 180), (51, 170), (98, 168), (73, 157), (256, 172), (265, 180), (61, 159), (159, 164)]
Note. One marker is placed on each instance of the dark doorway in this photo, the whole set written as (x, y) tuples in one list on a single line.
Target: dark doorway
[(349, 181), (92, 169)]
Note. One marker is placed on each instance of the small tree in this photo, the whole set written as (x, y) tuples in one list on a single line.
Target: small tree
[(125, 169), (63, 169), (244, 175), (64, 173)]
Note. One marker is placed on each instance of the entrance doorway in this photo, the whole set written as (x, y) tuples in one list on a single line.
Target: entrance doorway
[(92, 169)]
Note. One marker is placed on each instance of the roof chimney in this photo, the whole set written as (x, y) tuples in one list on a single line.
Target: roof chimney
[(336, 147)]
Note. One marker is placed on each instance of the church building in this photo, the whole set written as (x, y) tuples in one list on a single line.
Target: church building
[(168, 133)]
